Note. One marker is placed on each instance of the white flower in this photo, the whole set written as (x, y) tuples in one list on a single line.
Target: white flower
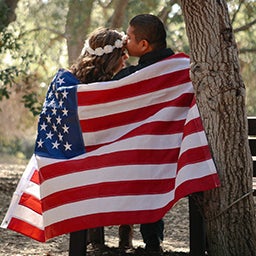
[(99, 51), (108, 48), (118, 43)]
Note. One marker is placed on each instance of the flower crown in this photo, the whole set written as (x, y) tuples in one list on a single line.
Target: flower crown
[(99, 51)]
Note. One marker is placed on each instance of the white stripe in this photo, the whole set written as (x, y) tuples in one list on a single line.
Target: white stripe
[(24, 185), (113, 134), (108, 174), (133, 103), (193, 140), (154, 70), (193, 113), (27, 215), (107, 204), (139, 142), (123, 203), (195, 171)]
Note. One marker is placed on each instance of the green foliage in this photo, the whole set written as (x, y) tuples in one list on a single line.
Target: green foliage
[(20, 148), (14, 67)]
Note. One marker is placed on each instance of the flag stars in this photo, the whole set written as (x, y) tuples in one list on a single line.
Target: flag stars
[(50, 94), (54, 127), (52, 103), (40, 143), (49, 135), (43, 126), (55, 144), (61, 103), (65, 128), (67, 146), (48, 118), (64, 94), (60, 136), (60, 81), (54, 111), (58, 119), (65, 112)]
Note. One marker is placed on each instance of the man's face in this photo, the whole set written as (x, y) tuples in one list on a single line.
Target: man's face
[(133, 47)]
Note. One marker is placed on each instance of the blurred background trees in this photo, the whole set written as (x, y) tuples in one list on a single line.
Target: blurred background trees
[(39, 36)]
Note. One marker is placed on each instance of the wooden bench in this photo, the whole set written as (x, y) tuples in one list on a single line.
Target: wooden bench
[(78, 240)]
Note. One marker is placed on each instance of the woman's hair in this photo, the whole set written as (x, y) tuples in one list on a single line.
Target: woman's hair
[(90, 67), (151, 28)]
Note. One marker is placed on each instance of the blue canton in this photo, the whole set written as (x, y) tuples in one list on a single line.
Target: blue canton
[(59, 134)]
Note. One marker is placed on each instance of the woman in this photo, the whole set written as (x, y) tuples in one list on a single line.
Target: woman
[(102, 57)]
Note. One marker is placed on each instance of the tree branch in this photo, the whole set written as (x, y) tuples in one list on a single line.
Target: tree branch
[(245, 27), (43, 28)]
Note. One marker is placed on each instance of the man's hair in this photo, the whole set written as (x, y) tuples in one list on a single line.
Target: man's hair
[(151, 28)]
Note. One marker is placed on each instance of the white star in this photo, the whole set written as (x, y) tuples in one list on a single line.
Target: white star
[(64, 94), (54, 111), (50, 94), (61, 81), (44, 110), (60, 136), (56, 95), (67, 146), (61, 103), (48, 118), (43, 126), (40, 143), (54, 127), (58, 119), (65, 112), (55, 144), (65, 128), (52, 103), (49, 135)]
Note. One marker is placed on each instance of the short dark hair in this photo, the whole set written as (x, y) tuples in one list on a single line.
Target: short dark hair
[(149, 27)]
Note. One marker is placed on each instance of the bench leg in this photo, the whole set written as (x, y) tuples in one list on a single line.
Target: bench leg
[(77, 243), (197, 230)]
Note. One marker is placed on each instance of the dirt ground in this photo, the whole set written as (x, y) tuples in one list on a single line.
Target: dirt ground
[(176, 242)]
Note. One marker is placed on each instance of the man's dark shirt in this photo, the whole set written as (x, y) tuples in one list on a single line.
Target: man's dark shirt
[(144, 61)]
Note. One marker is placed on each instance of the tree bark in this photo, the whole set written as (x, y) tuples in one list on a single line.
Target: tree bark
[(7, 12), (220, 93), (119, 13), (77, 26)]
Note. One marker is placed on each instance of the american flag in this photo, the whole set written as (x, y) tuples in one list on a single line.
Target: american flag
[(110, 153)]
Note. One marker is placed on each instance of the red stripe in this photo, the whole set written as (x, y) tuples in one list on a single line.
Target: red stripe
[(107, 189), (31, 202), (88, 98), (35, 177), (194, 125), (153, 128), (132, 116), (129, 217), (121, 158), (194, 155), (27, 229)]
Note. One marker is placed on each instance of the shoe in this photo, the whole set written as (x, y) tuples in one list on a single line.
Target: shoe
[(153, 250)]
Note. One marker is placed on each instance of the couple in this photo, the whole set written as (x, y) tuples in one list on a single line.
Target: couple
[(103, 58)]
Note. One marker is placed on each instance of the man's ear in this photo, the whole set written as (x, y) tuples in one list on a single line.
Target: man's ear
[(145, 46)]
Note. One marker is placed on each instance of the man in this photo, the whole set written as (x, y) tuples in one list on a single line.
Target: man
[(146, 39)]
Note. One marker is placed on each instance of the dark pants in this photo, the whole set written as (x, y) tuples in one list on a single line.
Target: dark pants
[(152, 233)]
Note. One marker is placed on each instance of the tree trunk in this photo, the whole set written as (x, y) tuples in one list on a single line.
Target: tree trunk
[(229, 210), (119, 13), (7, 12), (77, 26)]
